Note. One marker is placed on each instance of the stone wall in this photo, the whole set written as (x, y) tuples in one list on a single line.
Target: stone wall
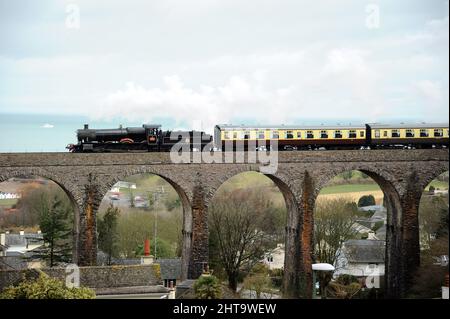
[(93, 276)]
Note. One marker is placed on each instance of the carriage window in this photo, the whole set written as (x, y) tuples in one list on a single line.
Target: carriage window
[(385, 133), (261, 135), (352, 134), (395, 133), (235, 135), (377, 133), (337, 134), (275, 134), (226, 135), (409, 133), (309, 134), (299, 134), (438, 132), (423, 132), (245, 135), (361, 133), (323, 134), (289, 134)]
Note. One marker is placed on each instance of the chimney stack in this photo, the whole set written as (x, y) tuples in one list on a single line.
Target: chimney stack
[(147, 247)]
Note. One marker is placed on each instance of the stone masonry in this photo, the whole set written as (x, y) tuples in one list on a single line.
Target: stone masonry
[(401, 174)]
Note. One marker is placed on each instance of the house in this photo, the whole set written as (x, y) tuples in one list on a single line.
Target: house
[(361, 258), (363, 231), (275, 258), (19, 244), (170, 271)]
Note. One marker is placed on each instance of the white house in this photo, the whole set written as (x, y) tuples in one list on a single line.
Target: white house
[(4, 195), (275, 258), (361, 258), (19, 244)]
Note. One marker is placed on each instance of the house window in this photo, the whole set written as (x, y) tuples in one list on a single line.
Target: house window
[(323, 134), (423, 132), (299, 134), (361, 133), (377, 133), (289, 134), (275, 134), (270, 259), (438, 132), (226, 135), (409, 133), (352, 134), (261, 135), (395, 133), (309, 134), (337, 134)]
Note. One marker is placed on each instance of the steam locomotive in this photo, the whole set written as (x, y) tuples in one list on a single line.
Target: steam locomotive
[(150, 138)]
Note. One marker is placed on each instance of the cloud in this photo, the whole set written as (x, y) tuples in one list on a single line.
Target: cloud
[(47, 125)]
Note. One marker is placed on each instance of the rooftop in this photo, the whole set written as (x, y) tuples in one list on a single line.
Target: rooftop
[(170, 268), (365, 251)]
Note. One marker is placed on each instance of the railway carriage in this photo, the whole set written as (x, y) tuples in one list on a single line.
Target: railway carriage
[(408, 135), (289, 137)]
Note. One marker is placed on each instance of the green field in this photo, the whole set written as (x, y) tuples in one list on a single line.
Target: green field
[(349, 188), (438, 185), (7, 202)]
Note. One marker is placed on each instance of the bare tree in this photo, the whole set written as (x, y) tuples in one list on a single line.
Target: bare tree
[(333, 225), (236, 226)]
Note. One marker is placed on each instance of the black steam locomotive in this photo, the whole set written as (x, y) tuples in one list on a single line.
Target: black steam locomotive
[(148, 138)]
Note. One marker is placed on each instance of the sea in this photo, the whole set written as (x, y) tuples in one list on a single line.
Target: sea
[(43, 132)]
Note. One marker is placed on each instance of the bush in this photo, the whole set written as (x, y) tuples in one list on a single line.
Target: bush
[(45, 287), (346, 280), (207, 287), (366, 200)]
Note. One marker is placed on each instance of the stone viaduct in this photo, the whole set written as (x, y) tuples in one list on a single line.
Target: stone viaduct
[(401, 174)]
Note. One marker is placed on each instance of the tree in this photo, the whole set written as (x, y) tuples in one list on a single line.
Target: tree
[(108, 232), (366, 200), (53, 221), (433, 218), (207, 287), (237, 227), (333, 225), (258, 280)]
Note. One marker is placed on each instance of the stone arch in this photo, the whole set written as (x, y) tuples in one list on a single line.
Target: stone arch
[(388, 183), (68, 190), (185, 201), (433, 174), (285, 185)]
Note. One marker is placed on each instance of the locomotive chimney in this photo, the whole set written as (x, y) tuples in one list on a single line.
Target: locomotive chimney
[(86, 126)]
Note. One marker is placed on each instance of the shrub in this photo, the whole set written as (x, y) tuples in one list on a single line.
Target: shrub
[(346, 280), (207, 287), (45, 287)]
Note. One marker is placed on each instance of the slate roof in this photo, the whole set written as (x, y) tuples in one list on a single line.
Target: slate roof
[(21, 240), (170, 268), (365, 251)]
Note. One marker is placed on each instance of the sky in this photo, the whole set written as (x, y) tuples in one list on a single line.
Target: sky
[(194, 64)]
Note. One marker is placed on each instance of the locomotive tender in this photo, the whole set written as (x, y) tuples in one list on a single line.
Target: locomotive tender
[(151, 138)]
